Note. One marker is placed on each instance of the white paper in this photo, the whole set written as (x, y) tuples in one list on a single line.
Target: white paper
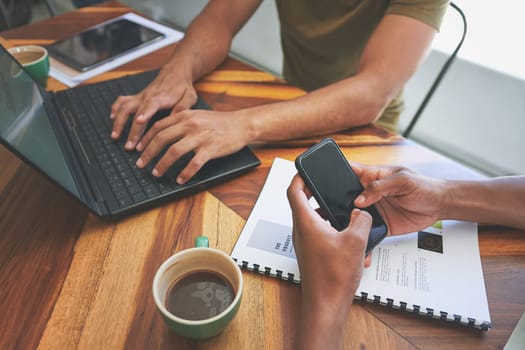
[(271, 221), (171, 36), (447, 280), (438, 268)]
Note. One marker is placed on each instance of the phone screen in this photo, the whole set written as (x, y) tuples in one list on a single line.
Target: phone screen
[(335, 186), (101, 43)]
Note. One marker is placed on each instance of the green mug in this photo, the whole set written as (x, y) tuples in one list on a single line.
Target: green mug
[(34, 59), (202, 311)]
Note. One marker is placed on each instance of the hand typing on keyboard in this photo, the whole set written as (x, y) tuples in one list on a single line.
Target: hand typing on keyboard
[(209, 134), (165, 92)]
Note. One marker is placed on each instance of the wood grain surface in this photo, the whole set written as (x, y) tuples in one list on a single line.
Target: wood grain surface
[(69, 280)]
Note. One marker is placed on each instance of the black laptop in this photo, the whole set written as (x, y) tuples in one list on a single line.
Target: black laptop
[(65, 135)]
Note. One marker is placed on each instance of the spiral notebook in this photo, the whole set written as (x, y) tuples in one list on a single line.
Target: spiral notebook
[(436, 272)]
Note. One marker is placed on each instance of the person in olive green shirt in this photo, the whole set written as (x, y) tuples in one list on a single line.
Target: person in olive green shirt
[(353, 57)]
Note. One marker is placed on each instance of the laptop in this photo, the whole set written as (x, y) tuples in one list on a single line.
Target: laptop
[(65, 135)]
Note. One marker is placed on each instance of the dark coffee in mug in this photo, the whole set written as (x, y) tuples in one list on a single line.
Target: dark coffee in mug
[(199, 295)]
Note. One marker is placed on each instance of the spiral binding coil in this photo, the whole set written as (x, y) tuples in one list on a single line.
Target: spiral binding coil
[(427, 312), (286, 276), (375, 299)]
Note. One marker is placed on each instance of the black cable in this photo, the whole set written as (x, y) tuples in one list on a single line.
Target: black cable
[(5, 20), (440, 75), (49, 8)]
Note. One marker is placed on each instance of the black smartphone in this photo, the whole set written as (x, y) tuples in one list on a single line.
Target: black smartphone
[(335, 186)]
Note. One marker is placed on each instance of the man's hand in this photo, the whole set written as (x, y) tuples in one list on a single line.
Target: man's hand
[(331, 265), (209, 134), (170, 90), (407, 201)]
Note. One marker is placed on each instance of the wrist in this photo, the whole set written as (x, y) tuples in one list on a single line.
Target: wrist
[(181, 63), (448, 199), (177, 70), (245, 120), (321, 325), (335, 303), (465, 200)]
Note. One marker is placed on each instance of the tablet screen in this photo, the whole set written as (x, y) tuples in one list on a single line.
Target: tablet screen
[(102, 43)]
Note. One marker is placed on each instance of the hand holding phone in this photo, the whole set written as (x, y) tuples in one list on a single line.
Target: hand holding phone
[(335, 186)]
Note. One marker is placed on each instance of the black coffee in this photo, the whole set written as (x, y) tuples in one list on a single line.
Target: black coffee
[(199, 295)]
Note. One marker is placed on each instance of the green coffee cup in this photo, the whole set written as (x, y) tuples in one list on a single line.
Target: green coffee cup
[(198, 291), (34, 59)]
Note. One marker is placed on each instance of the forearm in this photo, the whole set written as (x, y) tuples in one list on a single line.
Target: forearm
[(207, 40), (499, 201), (342, 105), (354, 101), (321, 328), (202, 49), (325, 304)]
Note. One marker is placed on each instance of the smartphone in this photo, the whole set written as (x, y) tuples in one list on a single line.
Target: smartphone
[(335, 186)]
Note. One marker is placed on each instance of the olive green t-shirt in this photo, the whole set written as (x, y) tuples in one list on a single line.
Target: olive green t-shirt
[(323, 40)]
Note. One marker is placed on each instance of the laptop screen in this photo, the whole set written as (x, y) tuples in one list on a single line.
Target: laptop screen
[(24, 123)]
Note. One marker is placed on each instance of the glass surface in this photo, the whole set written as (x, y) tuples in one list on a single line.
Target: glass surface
[(24, 123), (101, 43), (334, 180)]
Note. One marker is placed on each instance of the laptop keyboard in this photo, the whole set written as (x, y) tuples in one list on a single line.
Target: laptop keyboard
[(128, 183)]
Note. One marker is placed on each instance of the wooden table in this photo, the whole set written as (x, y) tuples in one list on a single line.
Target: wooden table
[(69, 280)]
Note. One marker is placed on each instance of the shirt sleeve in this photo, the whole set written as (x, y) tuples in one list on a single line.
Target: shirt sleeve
[(430, 12)]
